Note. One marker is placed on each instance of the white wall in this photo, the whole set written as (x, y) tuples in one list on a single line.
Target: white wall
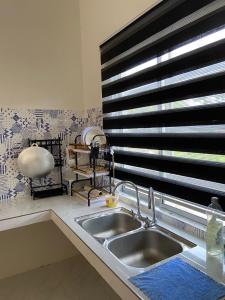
[(99, 20), (40, 55), (29, 247), (49, 49)]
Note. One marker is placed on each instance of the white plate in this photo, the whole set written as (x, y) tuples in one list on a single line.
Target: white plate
[(91, 133), (84, 132)]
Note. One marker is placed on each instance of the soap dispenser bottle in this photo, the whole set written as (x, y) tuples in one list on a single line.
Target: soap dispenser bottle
[(214, 240)]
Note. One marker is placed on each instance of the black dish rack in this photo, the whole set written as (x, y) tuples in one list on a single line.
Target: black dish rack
[(49, 190), (95, 153)]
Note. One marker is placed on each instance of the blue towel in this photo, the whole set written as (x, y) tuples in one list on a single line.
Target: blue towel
[(177, 280)]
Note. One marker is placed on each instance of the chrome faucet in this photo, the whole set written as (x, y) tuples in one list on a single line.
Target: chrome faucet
[(138, 215), (151, 205)]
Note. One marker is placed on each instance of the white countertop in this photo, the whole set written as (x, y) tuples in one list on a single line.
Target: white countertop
[(62, 210)]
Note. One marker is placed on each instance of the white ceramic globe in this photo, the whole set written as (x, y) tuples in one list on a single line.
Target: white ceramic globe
[(35, 162)]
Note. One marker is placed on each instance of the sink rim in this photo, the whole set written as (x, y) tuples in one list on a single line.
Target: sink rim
[(175, 237), (97, 215)]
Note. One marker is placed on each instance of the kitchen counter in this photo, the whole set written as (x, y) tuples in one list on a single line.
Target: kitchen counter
[(62, 210)]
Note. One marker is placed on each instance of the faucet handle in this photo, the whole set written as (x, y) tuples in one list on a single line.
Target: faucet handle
[(150, 197), (132, 213), (147, 222)]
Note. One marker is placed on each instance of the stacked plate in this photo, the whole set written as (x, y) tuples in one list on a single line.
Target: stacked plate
[(93, 135)]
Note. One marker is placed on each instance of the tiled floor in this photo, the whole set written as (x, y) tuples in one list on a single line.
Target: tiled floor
[(71, 279)]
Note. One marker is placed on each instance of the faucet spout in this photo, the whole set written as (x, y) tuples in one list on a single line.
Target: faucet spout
[(136, 189), (151, 203), (147, 222)]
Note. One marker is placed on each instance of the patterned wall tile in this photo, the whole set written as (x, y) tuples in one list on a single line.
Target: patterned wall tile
[(17, 125)]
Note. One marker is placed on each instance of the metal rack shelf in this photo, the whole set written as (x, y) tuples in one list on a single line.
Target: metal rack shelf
[(48, 190), (81, 151), (95, 154), (91, 175)]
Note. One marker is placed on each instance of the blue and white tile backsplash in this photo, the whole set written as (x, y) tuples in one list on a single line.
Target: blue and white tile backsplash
[(17, 125)]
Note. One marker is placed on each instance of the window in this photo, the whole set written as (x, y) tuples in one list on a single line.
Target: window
[(167, 203), (163, 87)]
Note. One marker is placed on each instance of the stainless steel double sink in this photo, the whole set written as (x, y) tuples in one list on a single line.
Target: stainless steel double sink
[(134, 246)]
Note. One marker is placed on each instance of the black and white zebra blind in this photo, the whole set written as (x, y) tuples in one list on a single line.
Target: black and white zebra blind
[(163, 89)]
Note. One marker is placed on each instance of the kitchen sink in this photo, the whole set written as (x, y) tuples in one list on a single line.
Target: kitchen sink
[(125, 237), (106, 225), (144, 248)]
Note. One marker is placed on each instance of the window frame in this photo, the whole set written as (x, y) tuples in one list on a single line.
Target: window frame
[(130, 194)]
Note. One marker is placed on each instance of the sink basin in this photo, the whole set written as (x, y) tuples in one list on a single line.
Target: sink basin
[(144, 248), (127, 240), (107, 225)]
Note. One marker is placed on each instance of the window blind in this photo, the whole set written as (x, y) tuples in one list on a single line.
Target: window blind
[(163, 89)]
